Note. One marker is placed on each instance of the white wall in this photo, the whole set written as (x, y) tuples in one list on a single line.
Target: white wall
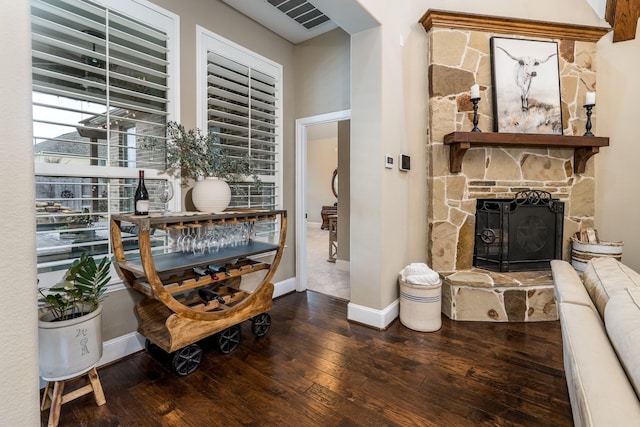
[(322, 74), (322, 160), (344, 191), (19, 383), (388, 105), (617, 172)]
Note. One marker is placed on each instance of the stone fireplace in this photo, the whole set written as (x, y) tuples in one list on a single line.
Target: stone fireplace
[(458, 57)]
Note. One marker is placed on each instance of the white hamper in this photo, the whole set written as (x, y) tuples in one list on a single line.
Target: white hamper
[(420, 298)]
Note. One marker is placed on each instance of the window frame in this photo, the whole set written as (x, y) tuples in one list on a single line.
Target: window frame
[(208, 41), (169, 22)]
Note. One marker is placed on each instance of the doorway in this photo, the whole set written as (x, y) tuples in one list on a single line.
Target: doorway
[(312, 242)]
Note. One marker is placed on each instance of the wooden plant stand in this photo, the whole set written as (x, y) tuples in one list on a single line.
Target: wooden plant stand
[(54, 398)]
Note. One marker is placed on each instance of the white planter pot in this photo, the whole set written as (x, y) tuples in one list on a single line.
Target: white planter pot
[(70, 347), (211, 195)]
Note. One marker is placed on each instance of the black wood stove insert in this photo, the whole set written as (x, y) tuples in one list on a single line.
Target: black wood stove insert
[(519, 234)]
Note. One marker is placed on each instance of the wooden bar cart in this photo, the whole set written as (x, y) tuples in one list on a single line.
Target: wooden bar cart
[(190, 297)]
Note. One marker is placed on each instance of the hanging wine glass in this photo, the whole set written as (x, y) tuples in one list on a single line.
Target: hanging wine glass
[(199, 244), (166, 195), (180, 240)]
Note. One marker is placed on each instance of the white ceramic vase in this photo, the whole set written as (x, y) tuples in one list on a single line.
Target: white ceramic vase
[(211, 195), (70, 347)]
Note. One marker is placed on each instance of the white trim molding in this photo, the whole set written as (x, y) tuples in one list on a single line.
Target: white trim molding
[(120, 347), (301, 188), (380, 319), (284, 287)]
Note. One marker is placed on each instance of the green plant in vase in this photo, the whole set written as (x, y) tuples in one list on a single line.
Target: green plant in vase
[(201, 157), (81, 291)]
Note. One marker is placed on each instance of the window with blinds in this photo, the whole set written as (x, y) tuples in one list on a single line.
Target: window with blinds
[(101, 85), (241, 103)]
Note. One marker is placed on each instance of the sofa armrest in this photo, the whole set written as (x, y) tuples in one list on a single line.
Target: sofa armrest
[(599, 390), (568, 286)]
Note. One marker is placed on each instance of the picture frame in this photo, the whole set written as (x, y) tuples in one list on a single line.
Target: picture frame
[(526, 86)]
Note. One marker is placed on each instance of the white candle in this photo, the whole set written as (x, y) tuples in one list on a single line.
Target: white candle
[(590, 98), (475, 91)]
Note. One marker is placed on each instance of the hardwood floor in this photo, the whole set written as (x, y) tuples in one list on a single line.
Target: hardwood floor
[(314, 368)]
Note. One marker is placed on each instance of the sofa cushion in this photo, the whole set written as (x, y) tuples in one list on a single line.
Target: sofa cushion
[(622, 322), (599, 390), (568, 286), (603, 277)]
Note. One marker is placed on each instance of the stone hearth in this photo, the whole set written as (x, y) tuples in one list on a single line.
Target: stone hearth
[(482, 295)]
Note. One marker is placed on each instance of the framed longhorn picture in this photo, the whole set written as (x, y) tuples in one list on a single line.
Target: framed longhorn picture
[(526, 86)]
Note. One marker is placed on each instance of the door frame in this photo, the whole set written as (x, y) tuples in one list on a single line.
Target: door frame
[(301, 188)]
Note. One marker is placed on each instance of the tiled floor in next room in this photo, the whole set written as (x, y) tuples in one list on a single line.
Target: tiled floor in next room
[(323, 276)]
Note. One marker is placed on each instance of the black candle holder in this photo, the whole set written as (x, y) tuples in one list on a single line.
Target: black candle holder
[(475, 114), (588, 125)]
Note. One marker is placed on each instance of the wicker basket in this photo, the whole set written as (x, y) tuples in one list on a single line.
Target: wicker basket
[(582, 252)]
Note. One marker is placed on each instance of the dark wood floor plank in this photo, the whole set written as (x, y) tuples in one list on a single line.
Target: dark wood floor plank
[(314, 368)]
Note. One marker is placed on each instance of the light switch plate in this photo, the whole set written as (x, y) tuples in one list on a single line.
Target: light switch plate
[(388, 161)]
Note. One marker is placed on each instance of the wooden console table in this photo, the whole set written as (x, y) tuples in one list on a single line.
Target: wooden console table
[(584, 146), (325, 212), (333, 238)]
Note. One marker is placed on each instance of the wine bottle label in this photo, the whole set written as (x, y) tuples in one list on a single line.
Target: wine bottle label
[(142, 206)]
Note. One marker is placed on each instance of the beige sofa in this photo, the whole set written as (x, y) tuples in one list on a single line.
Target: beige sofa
[(600, 321)]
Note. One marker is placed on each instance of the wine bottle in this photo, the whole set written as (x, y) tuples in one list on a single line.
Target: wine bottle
[(208, 295), (141, 199)]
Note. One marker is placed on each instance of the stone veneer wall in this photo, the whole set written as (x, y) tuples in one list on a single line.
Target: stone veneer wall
[(457, 60)]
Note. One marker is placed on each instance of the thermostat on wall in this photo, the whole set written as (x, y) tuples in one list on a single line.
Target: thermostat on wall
[(388, 161), (404, 162)]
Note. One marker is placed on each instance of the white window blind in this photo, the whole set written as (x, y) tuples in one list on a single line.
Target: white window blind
[(102, 79), (241, 105)]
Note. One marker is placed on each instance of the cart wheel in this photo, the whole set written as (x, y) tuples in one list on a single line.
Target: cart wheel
[(149, 346), (187, 359), (261, 324), (228, 339)]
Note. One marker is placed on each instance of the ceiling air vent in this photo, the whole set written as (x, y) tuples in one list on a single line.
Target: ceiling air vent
[(295, 20), (300, 11)]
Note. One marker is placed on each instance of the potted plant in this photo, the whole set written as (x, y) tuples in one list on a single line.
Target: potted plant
[(202, 158), (70, 320)]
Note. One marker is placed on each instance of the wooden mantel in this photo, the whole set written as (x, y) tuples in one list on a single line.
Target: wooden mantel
[(506, 25), (584, 146)]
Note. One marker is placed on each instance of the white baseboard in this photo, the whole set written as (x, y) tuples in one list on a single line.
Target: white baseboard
[(343, 265), (120, 347), (379, 319), (284, 287)]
